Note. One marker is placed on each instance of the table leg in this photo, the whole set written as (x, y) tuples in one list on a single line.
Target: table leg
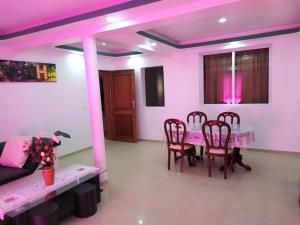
[(199, 157), (238, 159)]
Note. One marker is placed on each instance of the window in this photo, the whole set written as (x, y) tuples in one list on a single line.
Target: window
[(240, 77), (154, 86)]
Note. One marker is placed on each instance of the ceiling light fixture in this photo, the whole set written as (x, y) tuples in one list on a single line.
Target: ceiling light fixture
[(235, 44), (103, 43), (147, 47), (112, 19), (153, 44), (222, 20)]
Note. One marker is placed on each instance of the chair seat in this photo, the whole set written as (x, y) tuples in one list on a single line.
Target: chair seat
[(185, 146), (219, 151)]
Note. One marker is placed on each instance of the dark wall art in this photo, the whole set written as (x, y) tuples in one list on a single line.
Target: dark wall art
[(19, 71)]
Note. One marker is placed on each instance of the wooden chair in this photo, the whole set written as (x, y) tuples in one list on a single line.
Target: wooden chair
[(224, 115), (175, 131), (197, 114), (217, 135), (199, 117), (234, 119)]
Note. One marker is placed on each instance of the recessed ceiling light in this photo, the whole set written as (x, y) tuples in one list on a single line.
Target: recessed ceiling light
[(103, 43), (235, 44), (222, 20), (147, 47), (153, 44), (112, 19)]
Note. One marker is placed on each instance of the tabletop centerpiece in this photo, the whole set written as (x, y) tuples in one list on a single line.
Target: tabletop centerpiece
[(42, 151)]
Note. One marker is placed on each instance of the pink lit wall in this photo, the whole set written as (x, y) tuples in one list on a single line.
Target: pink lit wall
[(276, 124), (28, 108)]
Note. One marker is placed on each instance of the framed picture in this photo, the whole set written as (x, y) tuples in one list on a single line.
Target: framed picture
[(20, 71)]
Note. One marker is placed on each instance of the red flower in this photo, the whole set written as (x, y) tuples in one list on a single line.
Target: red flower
[(41, 150)]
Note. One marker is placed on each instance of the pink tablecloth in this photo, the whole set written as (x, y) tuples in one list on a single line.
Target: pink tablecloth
[(241, 136)]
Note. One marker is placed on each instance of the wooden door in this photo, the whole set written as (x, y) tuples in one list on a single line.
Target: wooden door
[(123, 105), (105, 88)]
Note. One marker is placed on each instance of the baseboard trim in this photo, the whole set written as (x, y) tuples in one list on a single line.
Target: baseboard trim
[(150, 140), (74, 152), (160, 141), (252, 149), (274, 151)]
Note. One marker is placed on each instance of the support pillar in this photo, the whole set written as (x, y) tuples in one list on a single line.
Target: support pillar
[(95, 110)]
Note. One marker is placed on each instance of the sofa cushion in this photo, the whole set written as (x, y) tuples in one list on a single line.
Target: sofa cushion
[(8, 174), (13, 154)]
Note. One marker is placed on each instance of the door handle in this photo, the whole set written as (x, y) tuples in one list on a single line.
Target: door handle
[(133, 104)]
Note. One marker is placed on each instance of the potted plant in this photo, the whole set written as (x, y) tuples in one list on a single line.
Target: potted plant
[(41, 149)]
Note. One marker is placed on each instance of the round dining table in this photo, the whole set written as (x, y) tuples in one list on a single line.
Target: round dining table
[(241, 137)]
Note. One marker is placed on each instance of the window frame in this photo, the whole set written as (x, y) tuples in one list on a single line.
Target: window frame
[(246, 105)]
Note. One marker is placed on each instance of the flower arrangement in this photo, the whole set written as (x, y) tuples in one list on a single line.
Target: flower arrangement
[(41, 149)]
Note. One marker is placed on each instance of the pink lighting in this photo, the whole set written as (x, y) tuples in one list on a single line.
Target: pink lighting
[(227, 88)]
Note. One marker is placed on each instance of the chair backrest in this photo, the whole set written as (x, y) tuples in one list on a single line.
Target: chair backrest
[(216, 134), (224, 115), (175, 131), (196, 114)]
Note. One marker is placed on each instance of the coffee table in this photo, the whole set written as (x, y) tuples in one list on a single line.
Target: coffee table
[(17, 197)]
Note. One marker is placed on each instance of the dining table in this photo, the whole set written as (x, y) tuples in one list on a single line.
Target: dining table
[(241, 137)]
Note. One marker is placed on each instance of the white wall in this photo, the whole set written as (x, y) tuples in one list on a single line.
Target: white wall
[(28, 108), (276, 125)]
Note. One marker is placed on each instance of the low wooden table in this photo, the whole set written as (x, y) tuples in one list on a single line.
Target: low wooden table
[(17, 197)]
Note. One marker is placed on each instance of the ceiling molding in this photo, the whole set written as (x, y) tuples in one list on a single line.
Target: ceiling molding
[(67, 47), (89, 15), (219, 41)]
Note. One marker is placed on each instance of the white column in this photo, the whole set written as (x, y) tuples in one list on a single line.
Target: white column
[(92, 77)]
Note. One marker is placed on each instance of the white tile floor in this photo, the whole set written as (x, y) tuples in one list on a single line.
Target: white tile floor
[(142, 191)]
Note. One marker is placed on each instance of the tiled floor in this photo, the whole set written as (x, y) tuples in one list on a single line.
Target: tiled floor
[(142, 191)]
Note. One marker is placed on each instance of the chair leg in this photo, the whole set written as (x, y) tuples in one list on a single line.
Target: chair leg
[(169, 158), (225, 167), (181, 162), (209, 165), (175, 157)]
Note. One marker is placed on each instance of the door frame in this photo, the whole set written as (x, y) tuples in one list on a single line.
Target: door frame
[(109, 119)]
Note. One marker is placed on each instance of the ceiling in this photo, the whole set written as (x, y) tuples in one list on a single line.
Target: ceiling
[(27, 13), (181, 21), (241, 16), (113, 47)]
